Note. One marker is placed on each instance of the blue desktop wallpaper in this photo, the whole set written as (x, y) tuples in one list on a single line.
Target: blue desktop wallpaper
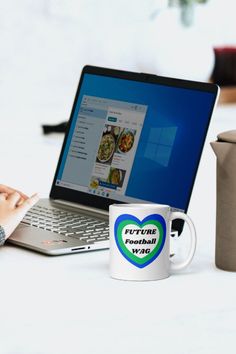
[(172, 137)]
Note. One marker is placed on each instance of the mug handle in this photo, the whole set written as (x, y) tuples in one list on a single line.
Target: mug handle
[(193, 238)]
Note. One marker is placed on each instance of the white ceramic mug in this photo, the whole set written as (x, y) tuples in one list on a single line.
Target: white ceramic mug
[(140, 241)]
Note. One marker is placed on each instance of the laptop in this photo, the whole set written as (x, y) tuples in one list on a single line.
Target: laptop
[(131, 137)]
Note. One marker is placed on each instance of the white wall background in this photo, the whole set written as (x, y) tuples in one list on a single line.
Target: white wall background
[(45, 43)]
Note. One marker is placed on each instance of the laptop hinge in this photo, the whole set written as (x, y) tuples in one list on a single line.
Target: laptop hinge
[(82, 207)]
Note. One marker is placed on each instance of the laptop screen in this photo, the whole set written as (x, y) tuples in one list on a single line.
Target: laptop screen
[(135, 141)]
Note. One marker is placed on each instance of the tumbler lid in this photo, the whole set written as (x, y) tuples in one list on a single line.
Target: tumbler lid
[(228, 137)]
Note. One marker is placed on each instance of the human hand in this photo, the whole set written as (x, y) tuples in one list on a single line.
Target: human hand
[(9, 190), (13, 208)]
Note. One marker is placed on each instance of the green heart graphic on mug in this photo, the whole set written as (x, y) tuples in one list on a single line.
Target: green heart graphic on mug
[(140, 242)]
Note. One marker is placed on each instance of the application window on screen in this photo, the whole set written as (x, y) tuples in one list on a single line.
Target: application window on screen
[(103, 146)]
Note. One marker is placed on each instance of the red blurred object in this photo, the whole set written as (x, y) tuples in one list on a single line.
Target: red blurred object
[(224, 73)]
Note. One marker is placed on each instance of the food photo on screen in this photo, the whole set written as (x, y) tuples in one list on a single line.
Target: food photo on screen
[(126, 140), (108, 144), (116, 177)]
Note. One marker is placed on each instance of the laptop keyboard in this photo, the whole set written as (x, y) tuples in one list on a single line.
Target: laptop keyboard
[(68, 224)]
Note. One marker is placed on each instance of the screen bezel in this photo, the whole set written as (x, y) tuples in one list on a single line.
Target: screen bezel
[(90, 200)]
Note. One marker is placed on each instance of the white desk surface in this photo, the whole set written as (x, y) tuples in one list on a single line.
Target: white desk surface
[(69, 304)]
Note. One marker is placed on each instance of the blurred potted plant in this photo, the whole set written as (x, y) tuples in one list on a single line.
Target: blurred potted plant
[(187, 9), (174, 44)]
